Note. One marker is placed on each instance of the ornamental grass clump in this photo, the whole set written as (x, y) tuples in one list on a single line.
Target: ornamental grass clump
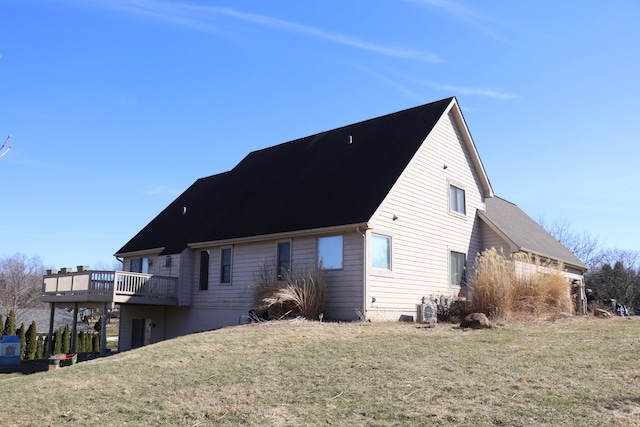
[(519, 286), (293, 293)]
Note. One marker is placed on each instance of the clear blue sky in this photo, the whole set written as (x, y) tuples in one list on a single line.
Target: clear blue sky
[(117, 106)]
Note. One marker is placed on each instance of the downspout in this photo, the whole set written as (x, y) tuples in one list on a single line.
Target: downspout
[(364, 271)]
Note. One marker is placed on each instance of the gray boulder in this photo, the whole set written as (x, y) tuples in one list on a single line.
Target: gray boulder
[(475, 321)]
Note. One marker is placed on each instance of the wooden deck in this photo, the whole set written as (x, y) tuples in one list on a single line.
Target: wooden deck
[(119, 287)]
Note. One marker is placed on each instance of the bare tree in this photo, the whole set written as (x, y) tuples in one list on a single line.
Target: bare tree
[(20, 282), (613, 273), (620, 282), (583, 245), (115, 264), (630, 259)]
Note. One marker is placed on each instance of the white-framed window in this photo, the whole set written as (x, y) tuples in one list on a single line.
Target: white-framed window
[(225, 265), (380, 251), (284, 258), (330, 252), (457, 269), (203, 281), (139, 265), (457, 202)]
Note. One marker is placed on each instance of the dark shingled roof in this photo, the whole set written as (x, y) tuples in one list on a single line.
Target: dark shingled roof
[(523, 232), (314, 182)]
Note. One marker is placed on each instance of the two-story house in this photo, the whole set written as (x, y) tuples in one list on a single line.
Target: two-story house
[(396, 207)]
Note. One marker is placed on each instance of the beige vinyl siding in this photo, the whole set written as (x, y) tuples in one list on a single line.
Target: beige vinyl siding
[(180, 267), (172, 270), (344, 287), (157, 264), (184, 271), (157, 315), (527, 269), (246, 261), (573, 274), (491, 239), (225, 304), (425, 231)]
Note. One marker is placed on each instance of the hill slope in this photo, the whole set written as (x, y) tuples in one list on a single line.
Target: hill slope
[(575, 372)]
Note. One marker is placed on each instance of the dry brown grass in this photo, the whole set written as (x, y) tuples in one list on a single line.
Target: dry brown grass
[(296, 292), (522, 285), (565, 373)]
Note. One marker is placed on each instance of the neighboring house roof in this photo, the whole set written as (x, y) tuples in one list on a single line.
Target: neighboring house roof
[(523, 233), (335, 178), (42, 316)]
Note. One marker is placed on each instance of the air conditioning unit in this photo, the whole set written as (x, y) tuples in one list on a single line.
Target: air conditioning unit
[(427, 312), (10, 350)]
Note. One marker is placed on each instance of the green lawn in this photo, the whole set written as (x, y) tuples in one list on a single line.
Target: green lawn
[(293, 373)]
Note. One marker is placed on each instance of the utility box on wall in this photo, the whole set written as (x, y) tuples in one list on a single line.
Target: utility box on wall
[(10, 350)]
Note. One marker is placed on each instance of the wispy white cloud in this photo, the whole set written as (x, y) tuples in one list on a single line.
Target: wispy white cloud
[(200, 18), (456, 9), (461, 90), (451, 90), (394, 84), (461, 12)]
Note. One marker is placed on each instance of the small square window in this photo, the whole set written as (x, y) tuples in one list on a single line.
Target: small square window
[(330, 252), (457, 200)]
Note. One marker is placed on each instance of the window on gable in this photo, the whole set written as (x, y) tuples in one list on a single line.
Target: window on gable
[(225, 265), (330, 251), (139, 265), (204, 270), (284, 258), (457, 200), (380, 251), (458, 269)]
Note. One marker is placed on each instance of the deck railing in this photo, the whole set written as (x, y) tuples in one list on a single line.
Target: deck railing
[(116, 286)]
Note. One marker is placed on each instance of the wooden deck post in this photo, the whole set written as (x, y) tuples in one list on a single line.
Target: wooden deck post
[(74, 328), (582, 298), (50, 339), (103, 331)]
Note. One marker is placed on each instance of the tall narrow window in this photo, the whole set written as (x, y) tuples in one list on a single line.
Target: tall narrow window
[(381, 251), (225, 265), (458, 266), (284, 258), (457, 200), (204, 270), (330, 252)]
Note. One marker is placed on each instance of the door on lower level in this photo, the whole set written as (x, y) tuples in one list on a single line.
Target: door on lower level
[(140, 332)]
